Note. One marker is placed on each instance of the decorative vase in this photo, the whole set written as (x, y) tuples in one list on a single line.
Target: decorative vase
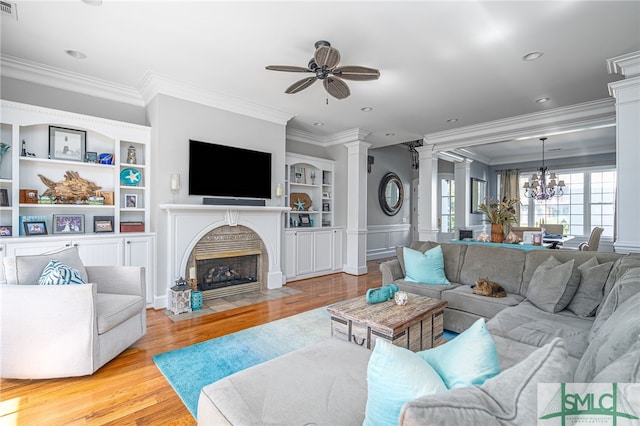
[(497, 233), (196, 300)]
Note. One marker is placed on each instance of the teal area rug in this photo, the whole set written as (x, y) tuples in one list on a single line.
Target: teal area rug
[(191, 368)]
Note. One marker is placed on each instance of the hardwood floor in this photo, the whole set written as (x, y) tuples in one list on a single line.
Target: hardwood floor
[(130, 390)]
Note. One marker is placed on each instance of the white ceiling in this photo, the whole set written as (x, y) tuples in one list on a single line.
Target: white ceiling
[(438, 59)]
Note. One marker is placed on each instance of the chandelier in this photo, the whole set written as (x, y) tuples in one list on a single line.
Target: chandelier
[(542, 185)]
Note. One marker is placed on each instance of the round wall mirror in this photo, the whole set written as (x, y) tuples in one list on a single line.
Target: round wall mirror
[(391, 194)]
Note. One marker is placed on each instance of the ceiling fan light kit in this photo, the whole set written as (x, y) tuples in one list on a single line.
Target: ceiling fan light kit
[(324, 65)]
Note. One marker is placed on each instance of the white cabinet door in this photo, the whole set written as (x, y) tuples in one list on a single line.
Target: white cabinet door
[(140, 251), (25, 248), (323, 251), (101, 251), (305, 253), (290, 251)]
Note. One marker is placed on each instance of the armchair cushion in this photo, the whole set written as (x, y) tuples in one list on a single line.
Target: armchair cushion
[(114, 309), (27, 269), (56, 273)]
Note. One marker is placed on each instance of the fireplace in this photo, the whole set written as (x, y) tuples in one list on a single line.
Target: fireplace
[(218, 272), (227, 261)]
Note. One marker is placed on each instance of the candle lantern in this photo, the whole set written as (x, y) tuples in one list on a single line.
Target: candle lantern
[(180, 297)]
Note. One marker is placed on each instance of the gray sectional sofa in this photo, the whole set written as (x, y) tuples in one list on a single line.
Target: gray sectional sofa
[(585, 330)]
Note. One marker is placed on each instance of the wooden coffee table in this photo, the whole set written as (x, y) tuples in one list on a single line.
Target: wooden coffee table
[(416, 326)]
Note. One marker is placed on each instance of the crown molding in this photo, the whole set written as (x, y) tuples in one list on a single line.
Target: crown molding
[(627, 65), (560, 120), (45, 75), (154, 84), (347, 136)]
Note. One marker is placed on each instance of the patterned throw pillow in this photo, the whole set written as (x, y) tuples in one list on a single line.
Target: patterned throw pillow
[(56, 273)]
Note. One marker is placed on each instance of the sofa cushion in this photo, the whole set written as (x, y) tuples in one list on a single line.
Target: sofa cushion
[(396, 375), (624, 288), (625, 369), (114, 309), (57, 273), (498, 264), (427, 267), (508, 398), (462, 298), (469, 359), (614, 338), (292, 389), (27, 269), (527, 324), (620, 266), (432, 290), (593, 276), (552, 285), (420, 246)]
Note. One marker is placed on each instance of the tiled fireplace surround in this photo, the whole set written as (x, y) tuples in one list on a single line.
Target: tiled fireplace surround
[(208, 231)]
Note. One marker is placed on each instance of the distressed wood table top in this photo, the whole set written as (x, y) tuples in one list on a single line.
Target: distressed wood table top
[(386, 317)]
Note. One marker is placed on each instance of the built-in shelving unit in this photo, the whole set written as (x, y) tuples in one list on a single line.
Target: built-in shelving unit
[(309, 191), (26, 129), (27, 163)]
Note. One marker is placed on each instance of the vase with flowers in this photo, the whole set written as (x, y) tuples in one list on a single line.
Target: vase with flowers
[(499, 214)]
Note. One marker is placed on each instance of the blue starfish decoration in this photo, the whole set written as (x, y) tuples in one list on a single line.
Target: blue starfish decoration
[(300, 204)]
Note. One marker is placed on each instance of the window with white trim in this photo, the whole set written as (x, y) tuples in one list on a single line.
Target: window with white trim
[(588, 201), (447, 204)]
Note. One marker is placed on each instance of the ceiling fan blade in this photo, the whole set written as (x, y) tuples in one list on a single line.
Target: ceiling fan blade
[(327, 56), (288, 68), (301, 85), (354, 72), (336, 87)]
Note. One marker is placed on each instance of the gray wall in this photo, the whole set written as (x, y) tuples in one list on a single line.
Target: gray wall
[(394, 159)]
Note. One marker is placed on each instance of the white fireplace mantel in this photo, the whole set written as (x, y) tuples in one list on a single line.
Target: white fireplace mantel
[(188, 223)]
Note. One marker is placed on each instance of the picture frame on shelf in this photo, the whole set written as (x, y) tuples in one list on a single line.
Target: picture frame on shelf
[(91, 157), (131, 201), (68, 224), (4, 197), (325, 195), (67, 144), (103, 224), (35, 228), (305, 219), (6, 231)]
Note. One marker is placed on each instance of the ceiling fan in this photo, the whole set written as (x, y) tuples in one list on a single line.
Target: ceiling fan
[(324, 65)]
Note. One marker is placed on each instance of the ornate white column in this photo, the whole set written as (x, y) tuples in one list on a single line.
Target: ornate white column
[(428, 193), (356, 258), (627, 94)]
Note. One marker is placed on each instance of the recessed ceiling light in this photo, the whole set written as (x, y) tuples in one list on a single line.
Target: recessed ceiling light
[(542, 100), (390, 134), (366, 109), (532, 56), (318, 124), (76, 54), (93, 2), (452, 120)]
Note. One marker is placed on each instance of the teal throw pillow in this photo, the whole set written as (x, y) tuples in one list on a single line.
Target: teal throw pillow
[(396, 375), (426, 268), (56, 273), (469, 359)]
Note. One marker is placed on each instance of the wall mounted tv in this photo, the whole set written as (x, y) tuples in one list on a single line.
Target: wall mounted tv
[(227, 171)]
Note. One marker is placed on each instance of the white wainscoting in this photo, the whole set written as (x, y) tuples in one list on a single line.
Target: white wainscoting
[(383, 239)]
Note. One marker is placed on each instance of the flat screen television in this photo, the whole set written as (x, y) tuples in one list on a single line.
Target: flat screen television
[(227, 171)]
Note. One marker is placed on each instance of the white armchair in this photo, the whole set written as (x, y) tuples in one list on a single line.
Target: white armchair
[(52, 331)]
